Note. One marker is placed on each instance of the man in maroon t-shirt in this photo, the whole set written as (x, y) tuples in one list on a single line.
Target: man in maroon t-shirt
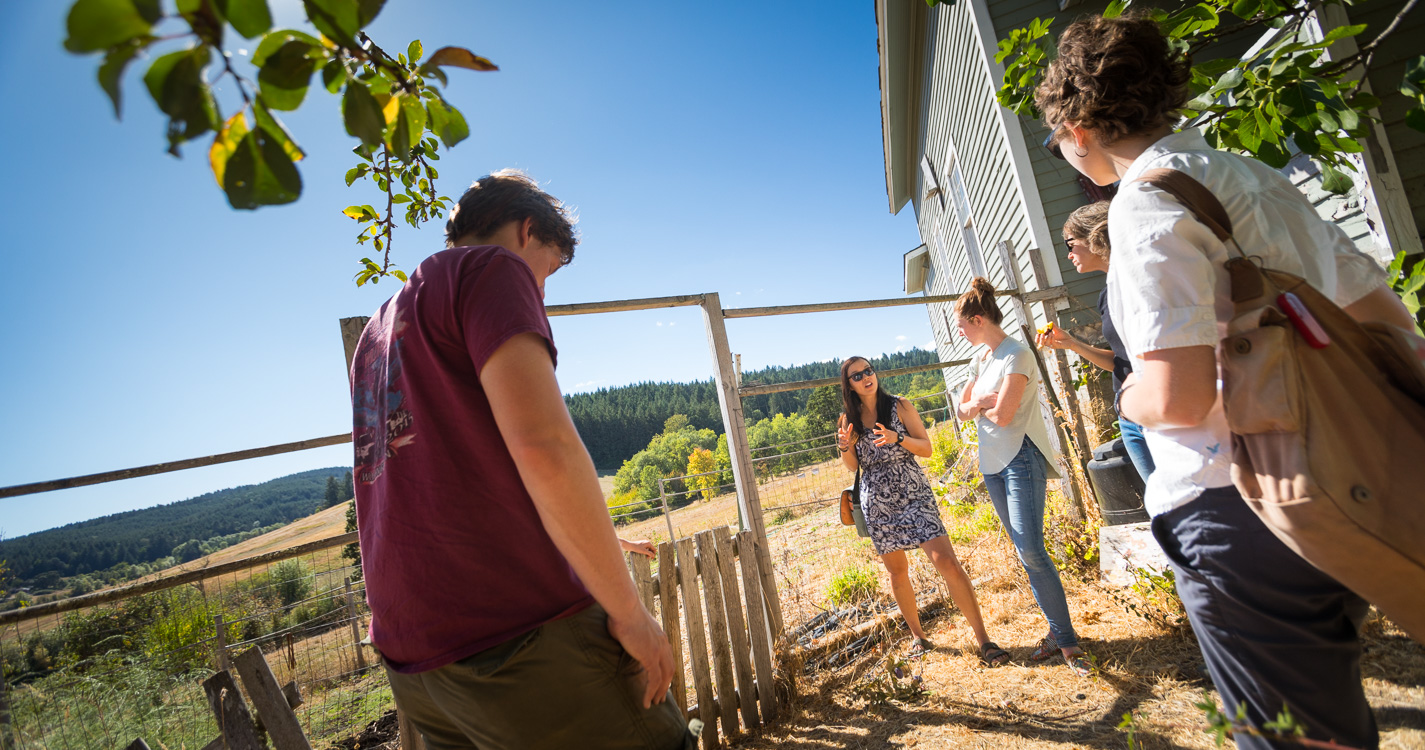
[(499, 599)]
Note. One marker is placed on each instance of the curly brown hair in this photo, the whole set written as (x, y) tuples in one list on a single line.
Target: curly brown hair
[(1089, 225), (1114, 76)]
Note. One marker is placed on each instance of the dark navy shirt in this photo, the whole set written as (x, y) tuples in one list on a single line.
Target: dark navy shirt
[(1121, 365)]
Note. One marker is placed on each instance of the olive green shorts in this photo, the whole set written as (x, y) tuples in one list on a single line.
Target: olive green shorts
[(565, 684)]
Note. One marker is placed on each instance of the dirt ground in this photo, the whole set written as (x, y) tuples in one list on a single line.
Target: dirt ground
[(1156, 673)]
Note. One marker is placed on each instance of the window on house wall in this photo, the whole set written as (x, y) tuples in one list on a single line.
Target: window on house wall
[(965, 219), (933, 204)]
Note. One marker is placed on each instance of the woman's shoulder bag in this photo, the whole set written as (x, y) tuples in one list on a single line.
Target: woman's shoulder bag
[(1328, 424)]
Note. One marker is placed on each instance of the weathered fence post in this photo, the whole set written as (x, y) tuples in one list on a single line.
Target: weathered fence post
[(269, 701), (235, 728), (743, 475), (758, 626), (736, 626), (716, 610), (351, 613), (668, 609), (697, 642), (220, 643), (1072, 418), (667, 514), (6, 738)]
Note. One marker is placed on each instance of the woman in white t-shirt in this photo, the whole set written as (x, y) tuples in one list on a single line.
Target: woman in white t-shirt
[(1276, 632), (1000, 397)]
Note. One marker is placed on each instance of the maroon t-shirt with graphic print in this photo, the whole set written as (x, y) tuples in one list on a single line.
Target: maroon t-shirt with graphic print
[(454, 554)]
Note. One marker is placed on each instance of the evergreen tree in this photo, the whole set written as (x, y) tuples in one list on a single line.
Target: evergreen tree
[(348, 489), (352, 551), (333, 494)]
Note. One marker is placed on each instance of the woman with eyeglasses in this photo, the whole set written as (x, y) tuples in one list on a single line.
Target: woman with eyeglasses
[(880, 435), (1276, 633), (1001, 397), (1086, 233)]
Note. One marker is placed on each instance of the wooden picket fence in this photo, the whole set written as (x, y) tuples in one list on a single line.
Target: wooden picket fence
[(722, 626)]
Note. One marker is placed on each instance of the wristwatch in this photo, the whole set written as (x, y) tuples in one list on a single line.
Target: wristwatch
[(900, 437)]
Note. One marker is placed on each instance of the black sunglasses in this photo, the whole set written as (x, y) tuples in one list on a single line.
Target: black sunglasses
[(1051, 142), (857, 376)]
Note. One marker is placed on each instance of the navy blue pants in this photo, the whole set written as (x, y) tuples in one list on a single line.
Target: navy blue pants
[(1274, 630)]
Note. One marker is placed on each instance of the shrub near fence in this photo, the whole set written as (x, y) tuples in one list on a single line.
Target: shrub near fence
[(115, 671)]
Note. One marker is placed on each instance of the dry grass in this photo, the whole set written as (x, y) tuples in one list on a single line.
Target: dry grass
[(1156, 674)]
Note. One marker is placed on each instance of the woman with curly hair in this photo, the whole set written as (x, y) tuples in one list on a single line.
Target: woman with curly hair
[(1086, 233), (880, 435), (1001, 397), (1276, 632)]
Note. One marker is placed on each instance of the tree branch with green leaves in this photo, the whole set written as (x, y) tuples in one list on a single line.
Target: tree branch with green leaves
[(389, 103), (1288, 95)]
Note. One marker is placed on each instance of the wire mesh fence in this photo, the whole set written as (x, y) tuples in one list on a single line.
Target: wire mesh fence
[(131, 668), (795, 479)]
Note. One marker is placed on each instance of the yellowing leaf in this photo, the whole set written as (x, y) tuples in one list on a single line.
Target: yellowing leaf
[(459, 57), (225, 143)]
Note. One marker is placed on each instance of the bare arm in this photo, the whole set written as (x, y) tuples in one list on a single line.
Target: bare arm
[(1006, 402), (917, 440), (1382, 305), (560, 477), (846, 443), (1171, 387), (965, 408), (1057, 338)]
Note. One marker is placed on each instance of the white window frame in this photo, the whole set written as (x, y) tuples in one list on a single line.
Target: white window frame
[(965, 218)]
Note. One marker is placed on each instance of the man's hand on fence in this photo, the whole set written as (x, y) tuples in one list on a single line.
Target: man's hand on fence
[(642, 547), (645, 641)]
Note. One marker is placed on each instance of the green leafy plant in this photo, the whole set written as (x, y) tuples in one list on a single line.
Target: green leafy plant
[(388, 102), (1154, 598), (854, 584), (1407, 278), (1283, 729), (1129, 726), (1085, 372), (945, 451), (893, 682), (1287, 94)]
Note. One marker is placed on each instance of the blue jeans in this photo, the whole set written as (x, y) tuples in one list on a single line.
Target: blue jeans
[(1018, 496), (1137, 447)]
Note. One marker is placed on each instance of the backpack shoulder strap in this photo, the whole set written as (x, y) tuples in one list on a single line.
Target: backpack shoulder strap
[(1194, 196)]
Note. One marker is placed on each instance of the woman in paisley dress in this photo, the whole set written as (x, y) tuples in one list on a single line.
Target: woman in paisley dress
[(1002, 399), (881, 435)]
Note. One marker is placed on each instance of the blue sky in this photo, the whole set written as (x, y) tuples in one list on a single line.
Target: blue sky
[(713, 147)]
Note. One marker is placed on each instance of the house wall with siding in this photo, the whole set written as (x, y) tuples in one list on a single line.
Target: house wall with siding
[(1387, 71), (961, 117)]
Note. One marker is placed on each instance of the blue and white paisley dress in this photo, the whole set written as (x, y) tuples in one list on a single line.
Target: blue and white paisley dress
[(900, 508)]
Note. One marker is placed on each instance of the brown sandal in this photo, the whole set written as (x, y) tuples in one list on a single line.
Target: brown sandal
[(992, 655)]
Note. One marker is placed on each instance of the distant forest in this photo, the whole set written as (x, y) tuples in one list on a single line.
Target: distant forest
[(143, 536), (616, 423)]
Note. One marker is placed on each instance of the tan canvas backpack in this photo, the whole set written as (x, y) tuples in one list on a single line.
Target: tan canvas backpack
[(1328, 424)]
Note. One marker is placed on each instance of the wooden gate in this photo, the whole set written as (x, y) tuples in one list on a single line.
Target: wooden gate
[(721, 627)]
